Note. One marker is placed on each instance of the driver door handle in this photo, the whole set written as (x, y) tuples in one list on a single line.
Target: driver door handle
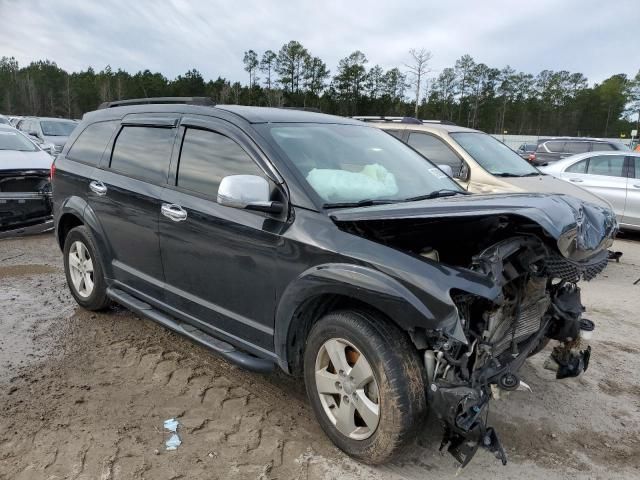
[(173, 212), (98, 188), (576, 180)]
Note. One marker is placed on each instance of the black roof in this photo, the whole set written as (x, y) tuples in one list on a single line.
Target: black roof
[(284, 115), (204, 106)]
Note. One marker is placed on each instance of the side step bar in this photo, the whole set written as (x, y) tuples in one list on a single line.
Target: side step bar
[(223, 349)]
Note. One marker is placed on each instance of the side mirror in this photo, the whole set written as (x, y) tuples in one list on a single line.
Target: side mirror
[(247, 192), (446, 169), (464, 173)]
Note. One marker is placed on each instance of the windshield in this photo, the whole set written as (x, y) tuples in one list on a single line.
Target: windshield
[(494, 156), (57, 128), (15, 141), (352, 163)]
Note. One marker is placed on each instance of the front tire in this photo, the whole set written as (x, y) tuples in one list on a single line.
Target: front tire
[(365, 383), (83, 269)]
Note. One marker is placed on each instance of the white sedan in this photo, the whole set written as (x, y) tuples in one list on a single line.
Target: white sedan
[(614, 176)]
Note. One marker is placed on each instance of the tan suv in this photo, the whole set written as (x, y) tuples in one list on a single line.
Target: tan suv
[(477, 161)]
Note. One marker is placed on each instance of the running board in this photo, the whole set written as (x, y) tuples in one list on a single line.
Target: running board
[(224, 349)]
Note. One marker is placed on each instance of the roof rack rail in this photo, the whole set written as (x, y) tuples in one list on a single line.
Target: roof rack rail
[(440, 122), (204, 101), (384, 118)]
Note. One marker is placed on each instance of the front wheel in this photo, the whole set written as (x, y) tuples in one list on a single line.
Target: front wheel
[(83, 269), (365, 383)]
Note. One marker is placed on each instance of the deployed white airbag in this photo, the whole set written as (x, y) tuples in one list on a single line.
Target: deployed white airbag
[(373, 181)]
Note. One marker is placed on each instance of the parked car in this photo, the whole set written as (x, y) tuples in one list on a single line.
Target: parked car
[(25, 190), (477, 161), (553, 149), (325, 246), (13, 120), (46, 130), (526, 150), (615, 176)]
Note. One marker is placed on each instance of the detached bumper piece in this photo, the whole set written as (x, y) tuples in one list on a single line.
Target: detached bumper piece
[(463, 411)]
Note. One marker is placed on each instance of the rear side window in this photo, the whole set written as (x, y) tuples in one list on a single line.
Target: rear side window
[(637, 166), (207, 157), (90, 145), (576, 147), (143, 153), (602, 147), (556, 147), (435, 150), (609, 165), (580, 167)]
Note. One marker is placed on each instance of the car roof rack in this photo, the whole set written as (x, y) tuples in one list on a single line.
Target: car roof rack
[(204, 101), (388, 119), (384, 118), (303, 109)]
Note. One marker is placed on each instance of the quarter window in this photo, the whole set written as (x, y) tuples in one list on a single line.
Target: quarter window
[(609, 165), (143, 153), (579, 167), (637, 166), (435, 150), (91, 143), (207, 157)]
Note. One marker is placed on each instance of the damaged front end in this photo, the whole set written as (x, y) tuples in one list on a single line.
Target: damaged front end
[(25, 202), (532, 250), (539, 302)]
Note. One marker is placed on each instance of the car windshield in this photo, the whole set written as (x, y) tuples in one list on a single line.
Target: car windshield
[(15, 141), (494, 156), (57, 128), (352, 164)]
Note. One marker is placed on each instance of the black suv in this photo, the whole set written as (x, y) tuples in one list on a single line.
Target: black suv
[(552, 149), (330, 248)]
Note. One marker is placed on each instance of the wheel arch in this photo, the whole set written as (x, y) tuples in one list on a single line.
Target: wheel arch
[(73, 212), (327, 288)]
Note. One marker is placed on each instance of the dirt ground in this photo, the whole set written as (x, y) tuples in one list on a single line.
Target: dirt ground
[(84, 396)]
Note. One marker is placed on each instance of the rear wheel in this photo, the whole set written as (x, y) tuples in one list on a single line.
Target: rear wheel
[(365, 383), (83, 269)]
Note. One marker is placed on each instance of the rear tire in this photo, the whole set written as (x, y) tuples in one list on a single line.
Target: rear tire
[(83, 269), (347, 393)]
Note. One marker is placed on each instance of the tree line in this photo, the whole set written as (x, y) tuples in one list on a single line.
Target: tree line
[(468, 93)]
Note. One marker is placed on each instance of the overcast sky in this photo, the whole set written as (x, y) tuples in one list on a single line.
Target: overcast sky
[(596, 37)]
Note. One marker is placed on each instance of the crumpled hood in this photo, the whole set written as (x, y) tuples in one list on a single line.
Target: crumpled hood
[(581, 229)]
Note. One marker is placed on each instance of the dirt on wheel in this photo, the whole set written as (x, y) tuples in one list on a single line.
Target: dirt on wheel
[(84, 395)]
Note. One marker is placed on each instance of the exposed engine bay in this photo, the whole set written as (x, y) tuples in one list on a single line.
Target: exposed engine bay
[(25, 200), (538, 301)]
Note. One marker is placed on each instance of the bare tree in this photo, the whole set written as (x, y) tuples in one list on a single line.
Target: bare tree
[(267, 64), (418, 70)]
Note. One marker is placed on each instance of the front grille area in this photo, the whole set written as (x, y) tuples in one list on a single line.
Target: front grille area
[(558, 267)]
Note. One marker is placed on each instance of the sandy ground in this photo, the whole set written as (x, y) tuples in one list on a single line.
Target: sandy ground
[(84, 396)]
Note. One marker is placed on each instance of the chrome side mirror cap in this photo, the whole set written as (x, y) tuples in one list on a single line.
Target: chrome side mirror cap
[(247, 192)]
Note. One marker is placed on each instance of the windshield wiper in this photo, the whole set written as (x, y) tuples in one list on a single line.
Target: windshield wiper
[(443, 192), (362, 203)]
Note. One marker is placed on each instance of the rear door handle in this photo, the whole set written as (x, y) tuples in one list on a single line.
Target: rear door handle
[(173, 212), (576, 180), (637, 185), (98, 188)]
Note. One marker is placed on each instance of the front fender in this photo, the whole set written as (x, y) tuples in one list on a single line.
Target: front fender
[(362, 283)]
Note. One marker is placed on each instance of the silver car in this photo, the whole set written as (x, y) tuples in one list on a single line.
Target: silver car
[(614, 176)]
